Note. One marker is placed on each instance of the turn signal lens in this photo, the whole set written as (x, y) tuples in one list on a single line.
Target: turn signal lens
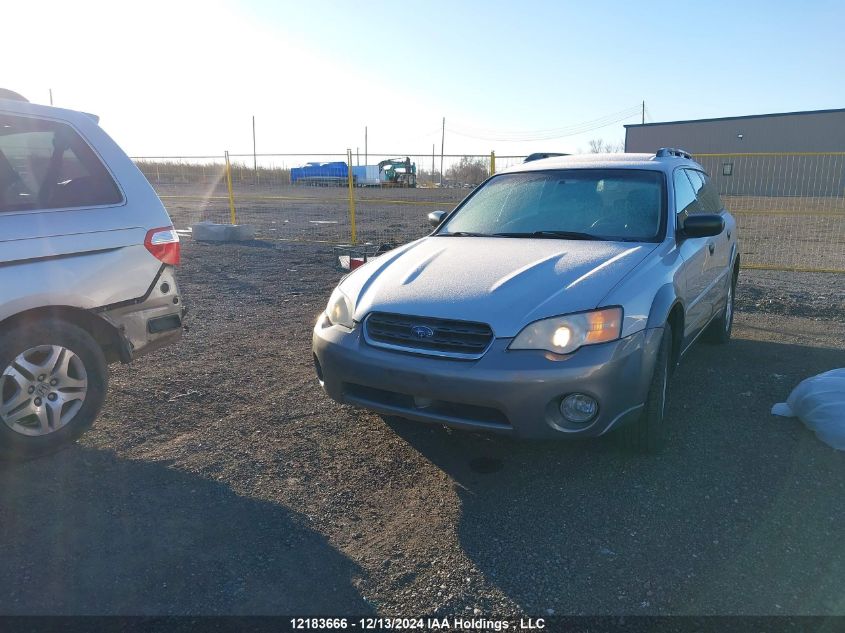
[(603, 325)]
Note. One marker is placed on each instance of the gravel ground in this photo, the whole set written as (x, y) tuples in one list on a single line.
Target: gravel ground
[(815, 296), (220, 479)]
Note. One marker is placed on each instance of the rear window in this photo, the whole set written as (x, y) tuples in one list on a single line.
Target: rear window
[(47, 165)]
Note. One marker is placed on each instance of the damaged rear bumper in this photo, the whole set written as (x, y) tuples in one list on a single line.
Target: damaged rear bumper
[(149, 322)]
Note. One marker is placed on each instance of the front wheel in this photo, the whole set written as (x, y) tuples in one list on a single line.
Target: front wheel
[(648, 433), (720, 330), (52, 386)]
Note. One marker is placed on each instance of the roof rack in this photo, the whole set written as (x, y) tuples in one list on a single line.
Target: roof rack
[(541, 156), (672, 151)]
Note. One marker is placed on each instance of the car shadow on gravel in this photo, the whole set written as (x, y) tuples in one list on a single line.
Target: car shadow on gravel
[(86, 532), (739, 515)]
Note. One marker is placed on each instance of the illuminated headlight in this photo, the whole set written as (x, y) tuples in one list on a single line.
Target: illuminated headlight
[(339, 310), (565, 334)]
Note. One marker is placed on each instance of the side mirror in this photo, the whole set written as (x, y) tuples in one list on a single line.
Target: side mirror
[(435, 218), (703, 225)]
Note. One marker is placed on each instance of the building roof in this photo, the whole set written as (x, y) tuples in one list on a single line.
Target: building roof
[(736, 118)]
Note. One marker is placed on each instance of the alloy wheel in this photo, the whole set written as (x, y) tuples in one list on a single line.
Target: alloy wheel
[(729, 309), (42, 390)]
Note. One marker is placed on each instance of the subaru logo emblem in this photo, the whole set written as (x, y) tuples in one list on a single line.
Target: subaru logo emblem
[(422, 331)]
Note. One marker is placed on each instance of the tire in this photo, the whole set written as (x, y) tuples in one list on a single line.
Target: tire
[(720, 329), (44, 409), (648, 433)]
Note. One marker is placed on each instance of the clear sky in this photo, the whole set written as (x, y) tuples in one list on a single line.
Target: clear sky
[(184, 77)]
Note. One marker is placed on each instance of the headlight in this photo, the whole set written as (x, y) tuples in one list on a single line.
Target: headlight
[(339, 310), (565, 334)]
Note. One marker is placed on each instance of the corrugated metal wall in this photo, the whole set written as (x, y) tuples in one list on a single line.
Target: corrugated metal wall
[(795, 154), (822, 131)]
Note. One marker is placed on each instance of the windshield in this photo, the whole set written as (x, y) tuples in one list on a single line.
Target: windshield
[(603, 204)]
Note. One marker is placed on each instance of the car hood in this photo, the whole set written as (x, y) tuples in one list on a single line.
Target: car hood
[(505, 282)]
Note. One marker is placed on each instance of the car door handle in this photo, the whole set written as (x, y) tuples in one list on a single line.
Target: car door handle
[(711, 247)]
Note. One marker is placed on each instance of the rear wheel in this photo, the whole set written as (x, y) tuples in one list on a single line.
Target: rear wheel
[(648, 433), (52, 386)]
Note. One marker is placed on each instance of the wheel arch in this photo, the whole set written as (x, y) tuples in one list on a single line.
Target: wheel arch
[(106, 335), (668, 307)]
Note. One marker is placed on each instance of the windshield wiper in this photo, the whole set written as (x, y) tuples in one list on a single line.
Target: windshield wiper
[(463, 234), (566, 235)]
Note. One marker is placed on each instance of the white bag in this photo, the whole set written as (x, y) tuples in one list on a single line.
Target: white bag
[(819, 402)]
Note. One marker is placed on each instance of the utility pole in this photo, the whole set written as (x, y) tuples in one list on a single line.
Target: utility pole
[(442, 142), (51, 96), (432, 162), (365, 144), (643, 112), (357, 157), (254, 155)]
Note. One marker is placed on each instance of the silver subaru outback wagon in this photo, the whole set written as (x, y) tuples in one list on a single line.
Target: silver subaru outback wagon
[(554, 301), (87, 256)]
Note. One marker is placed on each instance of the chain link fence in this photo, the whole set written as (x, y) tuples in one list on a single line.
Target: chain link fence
[(305, 197), (790, 207)]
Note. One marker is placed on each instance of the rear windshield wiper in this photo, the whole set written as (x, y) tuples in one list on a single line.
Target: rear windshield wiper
[(566, 235)]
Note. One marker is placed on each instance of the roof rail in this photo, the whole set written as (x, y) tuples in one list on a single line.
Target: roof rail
[(541, 156), (672, 151)]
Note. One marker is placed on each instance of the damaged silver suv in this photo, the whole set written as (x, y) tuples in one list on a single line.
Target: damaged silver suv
[(554, 301), (87, 254)]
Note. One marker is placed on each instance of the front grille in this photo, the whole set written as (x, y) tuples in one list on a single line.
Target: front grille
[(461, 339)]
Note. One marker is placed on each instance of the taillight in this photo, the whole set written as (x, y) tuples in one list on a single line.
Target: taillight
[(163, 243)]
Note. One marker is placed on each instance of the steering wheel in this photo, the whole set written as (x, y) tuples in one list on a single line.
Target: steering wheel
[(510, 223), (613, 219)]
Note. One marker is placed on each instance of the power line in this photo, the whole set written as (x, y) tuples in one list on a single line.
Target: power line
[(547, 134), (553, 130)]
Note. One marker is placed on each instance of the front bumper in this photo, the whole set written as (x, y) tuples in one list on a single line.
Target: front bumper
[(516, 392)]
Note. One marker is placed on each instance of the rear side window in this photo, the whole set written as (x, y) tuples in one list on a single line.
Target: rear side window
[(685, 201), (47, 165), (708, 197)]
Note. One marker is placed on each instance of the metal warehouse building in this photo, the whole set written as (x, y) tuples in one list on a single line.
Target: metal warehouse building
[(786, 154)]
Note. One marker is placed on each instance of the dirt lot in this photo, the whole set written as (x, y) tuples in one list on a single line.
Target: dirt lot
[(313, 213), (220, 479)]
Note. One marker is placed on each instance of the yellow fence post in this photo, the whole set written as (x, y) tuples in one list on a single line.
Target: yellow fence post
[(492, 162), (231, 193), (352, 228)]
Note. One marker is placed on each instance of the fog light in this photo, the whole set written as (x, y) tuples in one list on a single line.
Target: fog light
[(579, 407)]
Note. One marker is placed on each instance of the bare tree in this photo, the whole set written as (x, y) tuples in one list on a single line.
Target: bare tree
[(469, 170), (600, 146)]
